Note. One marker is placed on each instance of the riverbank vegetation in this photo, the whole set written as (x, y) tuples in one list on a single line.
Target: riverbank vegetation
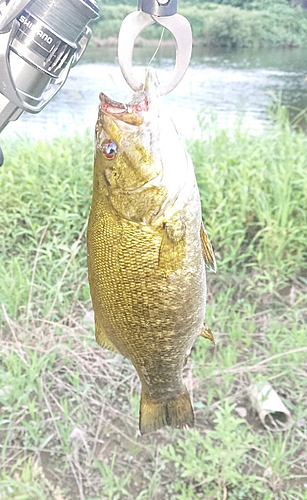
[(224, 23), (69, 409)]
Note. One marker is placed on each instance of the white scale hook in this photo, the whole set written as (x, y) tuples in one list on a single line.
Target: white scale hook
[(132, 26)]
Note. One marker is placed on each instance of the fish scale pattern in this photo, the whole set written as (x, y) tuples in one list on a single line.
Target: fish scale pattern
[(150, 317)]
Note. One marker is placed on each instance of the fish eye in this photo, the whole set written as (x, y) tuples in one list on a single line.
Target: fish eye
[(109, 149)]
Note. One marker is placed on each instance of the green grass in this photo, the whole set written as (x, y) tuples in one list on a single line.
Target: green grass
[(69, 409), (45, 196), (254, 197)]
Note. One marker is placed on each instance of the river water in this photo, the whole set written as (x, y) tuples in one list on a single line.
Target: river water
[(232, 84)]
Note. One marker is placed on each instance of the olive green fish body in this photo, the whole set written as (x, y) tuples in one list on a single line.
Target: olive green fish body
[(138, 303), (145, 259)]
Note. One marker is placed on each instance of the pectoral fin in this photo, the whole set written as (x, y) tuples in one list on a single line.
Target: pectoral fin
[(173, 246), (207, 249)]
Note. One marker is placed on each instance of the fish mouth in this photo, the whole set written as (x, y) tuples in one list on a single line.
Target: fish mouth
[(131, 113)]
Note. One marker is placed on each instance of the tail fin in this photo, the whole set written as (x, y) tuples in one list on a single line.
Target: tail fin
[(176, 411)]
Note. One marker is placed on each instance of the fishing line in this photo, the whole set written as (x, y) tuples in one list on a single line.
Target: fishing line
[(155, 52)]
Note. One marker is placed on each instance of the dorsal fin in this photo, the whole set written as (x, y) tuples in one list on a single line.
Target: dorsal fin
[(207, 334), (207, 249)]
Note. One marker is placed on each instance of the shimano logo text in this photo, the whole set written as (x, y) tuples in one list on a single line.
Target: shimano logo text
[(33, 28)]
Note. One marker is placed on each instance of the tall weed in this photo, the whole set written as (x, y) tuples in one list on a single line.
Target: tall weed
[(254, 193), (45, 197)]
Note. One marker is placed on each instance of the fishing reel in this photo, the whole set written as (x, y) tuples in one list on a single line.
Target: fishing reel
[(40, 41)]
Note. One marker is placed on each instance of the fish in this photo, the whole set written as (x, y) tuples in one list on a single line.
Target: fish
[(147, 251)]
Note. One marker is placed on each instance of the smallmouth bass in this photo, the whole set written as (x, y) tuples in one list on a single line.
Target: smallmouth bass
[(147, 251)]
